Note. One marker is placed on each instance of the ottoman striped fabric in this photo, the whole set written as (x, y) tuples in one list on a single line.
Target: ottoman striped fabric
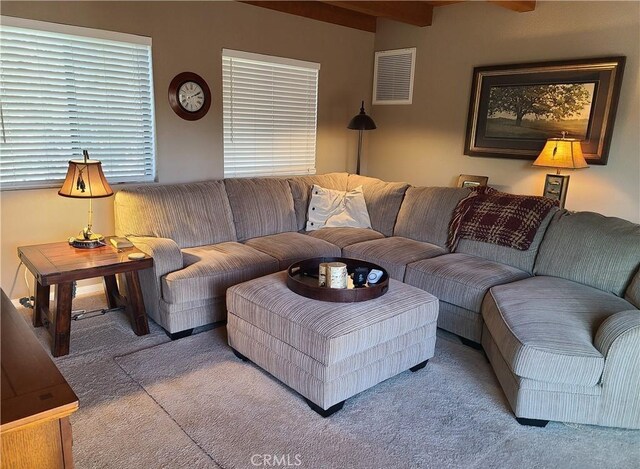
[(326, 351)]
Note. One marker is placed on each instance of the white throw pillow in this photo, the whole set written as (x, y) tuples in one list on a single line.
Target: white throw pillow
[(332, 208)]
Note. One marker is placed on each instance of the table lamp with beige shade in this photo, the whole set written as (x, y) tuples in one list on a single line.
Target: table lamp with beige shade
[(560, 153), (85, 180)]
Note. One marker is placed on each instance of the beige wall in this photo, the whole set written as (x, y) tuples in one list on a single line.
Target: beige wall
[(190, 37), (423, 143)]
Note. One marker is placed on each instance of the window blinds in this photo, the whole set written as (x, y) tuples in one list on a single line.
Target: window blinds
[(270, 115), (62, 92)]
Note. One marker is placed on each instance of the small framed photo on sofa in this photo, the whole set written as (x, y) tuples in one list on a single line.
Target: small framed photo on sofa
[(467, 180)]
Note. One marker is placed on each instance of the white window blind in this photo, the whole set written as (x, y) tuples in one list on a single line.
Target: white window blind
[(270, 115), (64, 89)]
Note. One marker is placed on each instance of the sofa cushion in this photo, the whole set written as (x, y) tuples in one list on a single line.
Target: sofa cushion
[(544, 328), (523, 260), (393, 254), (426, 211), (301, 191), (191, 214), (337, 209), (342, 237), (589, 248), (460, 279), (632, 295), (210, 270), (261, 206), (383, 200), (293, 247)]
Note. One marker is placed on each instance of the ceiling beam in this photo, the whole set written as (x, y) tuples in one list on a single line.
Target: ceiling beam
[(519, 6), (322, 12), (416, 13)]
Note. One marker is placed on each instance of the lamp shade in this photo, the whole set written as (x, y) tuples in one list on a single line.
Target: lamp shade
[(561, 153), (85, 179), (361, 121)]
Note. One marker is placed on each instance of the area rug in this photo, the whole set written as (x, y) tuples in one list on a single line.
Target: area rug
[(117, 425), (450, 414)]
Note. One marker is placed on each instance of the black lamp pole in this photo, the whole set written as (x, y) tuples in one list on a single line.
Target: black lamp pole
[(361, 122)]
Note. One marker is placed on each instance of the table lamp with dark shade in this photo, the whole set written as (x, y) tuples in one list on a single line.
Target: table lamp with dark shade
[(85, 180), (361, 122), (560, 153)]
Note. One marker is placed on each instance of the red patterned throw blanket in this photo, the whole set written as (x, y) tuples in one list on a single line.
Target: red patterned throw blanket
[(498, 218)]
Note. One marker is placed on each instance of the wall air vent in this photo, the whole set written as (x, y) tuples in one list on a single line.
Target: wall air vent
[(393, 76)]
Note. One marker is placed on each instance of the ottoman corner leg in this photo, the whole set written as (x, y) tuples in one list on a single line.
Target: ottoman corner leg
[(419, 366), (532, 422), (322, 412), (239, 355)]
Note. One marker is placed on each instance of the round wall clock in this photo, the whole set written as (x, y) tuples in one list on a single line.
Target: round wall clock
[(189, 96)]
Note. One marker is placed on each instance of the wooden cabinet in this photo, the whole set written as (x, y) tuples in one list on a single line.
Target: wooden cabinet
[(36, 400)]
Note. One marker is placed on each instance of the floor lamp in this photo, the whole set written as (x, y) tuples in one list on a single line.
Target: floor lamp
[(361, 122)]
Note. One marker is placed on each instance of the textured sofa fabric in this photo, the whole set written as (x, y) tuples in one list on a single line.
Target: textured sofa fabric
[(393, 254), (460, 279), (589, 248), (330, 351), (425, 213), (612, 402), (545, 328), (343, 237), (288, 248), (261, 206), (210, 270), (383, 200), (190, 214), (460, 282), (632, 295)]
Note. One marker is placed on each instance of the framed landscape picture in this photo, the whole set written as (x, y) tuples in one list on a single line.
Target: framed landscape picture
[(514, 109)]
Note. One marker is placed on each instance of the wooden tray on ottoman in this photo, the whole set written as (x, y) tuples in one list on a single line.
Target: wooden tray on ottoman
[(302, 279)]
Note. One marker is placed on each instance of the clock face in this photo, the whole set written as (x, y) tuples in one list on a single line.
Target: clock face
[(191, 96)]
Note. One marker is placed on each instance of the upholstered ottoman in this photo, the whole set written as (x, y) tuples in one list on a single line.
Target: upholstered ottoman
[(326, 351)]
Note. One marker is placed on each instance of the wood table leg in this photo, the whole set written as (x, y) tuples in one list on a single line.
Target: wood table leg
[(111, 290), (62, 320), (41, 306), (137, 313)]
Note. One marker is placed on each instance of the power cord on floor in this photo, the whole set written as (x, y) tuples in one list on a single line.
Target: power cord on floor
[(27, 301)]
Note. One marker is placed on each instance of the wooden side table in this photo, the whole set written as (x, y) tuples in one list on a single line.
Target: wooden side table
[(60, 264)]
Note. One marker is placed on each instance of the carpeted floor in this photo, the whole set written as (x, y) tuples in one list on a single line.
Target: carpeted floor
[(148, 402)]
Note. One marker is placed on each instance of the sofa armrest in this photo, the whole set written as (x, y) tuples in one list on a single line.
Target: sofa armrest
[(618, 339), (619, 330), (167, 256)]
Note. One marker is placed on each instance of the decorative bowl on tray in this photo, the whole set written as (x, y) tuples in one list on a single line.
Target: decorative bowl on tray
[(303, 279)]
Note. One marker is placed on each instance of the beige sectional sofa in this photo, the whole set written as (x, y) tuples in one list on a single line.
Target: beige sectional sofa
[(559, 322)]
